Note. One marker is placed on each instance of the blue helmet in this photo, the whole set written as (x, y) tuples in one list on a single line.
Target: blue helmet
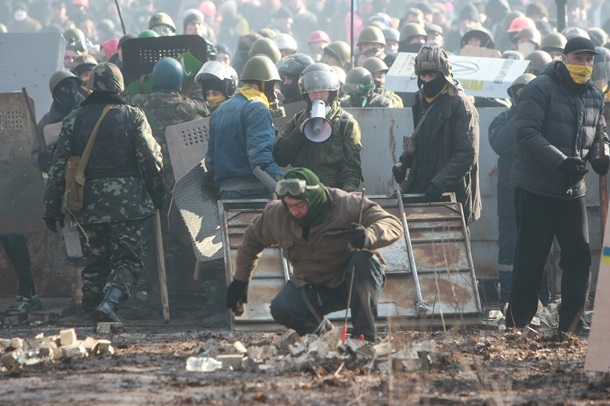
[(167, 73)]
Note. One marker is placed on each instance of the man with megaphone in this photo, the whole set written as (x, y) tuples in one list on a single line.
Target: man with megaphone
[(323, 138)]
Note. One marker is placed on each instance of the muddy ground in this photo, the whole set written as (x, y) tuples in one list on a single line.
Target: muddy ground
[(470, 366)]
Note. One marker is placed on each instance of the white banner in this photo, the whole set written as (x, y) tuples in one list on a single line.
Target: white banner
[(481, 77)]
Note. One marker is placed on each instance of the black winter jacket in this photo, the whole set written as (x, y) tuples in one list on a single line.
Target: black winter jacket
[(502, 133), (556, 119)]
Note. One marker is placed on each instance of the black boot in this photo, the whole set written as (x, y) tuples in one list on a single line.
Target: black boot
[(108, 309)]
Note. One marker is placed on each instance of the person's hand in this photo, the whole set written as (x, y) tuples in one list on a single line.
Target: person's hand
[(52, 224), (358, 238), (210, 185), (237, 295), (433, 193), (42, 160), (573, 166), (399, 170), (601, 165)]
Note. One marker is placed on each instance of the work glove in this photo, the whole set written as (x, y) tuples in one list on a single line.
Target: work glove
[(399, 170), (52, 224), (358, 238), (433, 193), (237, 295), (601, 165), (573, 166)]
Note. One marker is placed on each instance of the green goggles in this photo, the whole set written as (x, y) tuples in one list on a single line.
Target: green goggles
[(293, 187), (352, 88)]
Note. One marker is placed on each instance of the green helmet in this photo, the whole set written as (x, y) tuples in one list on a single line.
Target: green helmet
[(267, 47), (106, 77), (371, 34), (339, 50), (358, 81), (538, 59), (530, 34), (374, 64), (58, 76), (519, 83), (411, 30), (148, 34), (82, 63), (75, 38), (161, 19), (259, 68), (555, 41)]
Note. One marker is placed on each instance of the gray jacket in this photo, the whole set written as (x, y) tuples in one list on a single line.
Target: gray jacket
[(556, 119)]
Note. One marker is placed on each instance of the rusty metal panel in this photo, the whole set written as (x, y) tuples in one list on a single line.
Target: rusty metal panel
[(20, 181), (442, 255)]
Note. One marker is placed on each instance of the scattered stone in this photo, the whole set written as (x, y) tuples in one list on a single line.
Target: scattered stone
[(382, 349), (4, 344), (351, 346), (297, 349), (103, 347), (110, 328), (17, 343), (289, 338), (12, 359), (236, 348), (230, 361), (89, 343), (259, 354), (74, 351), (67, 337)]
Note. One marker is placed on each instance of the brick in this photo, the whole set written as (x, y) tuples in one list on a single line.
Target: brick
[(104, 347), (286, 340), (12, 359), (17, 343), (74, 351), (89, 343), (67, 337)]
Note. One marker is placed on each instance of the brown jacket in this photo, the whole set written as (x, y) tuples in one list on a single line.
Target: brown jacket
[(321, 259)]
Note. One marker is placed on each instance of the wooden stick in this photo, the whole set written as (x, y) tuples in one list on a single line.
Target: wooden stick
[(161, 268)]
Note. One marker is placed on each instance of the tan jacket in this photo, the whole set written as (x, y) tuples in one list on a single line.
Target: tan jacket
[(321, 259)]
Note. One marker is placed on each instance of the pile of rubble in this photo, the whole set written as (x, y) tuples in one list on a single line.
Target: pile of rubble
[(17, 352), (292, 353)]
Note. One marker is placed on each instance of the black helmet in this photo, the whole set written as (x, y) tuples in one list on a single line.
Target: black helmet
[(294, 64)]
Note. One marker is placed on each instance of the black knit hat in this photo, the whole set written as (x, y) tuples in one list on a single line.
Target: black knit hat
[(579, 44)]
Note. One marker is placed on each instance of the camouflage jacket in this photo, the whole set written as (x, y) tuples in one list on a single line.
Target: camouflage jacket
[(167, 107), (336, 161), (394, 98), (123, 174)]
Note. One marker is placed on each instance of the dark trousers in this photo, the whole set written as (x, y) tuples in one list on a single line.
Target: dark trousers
[(16, 248), (113, 259), (289, 309), (539, 219)]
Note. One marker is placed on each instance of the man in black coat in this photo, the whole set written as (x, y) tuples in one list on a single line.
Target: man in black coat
[(558, 123)]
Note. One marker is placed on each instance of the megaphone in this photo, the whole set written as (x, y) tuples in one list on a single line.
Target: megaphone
[(318, 128)]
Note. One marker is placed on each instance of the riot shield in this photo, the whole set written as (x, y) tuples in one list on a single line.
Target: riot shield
[(21, 183), (141, 54)]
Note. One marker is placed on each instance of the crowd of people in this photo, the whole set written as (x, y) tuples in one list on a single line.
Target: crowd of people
[(261, 55)]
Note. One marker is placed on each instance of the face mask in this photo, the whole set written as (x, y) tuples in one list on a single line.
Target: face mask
[(526, 48), (66, 95), (215, 101), (580, 74), (392, 50), (291, 92), (432, 88)]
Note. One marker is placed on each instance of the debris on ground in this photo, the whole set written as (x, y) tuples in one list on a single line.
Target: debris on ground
[(18, 352)]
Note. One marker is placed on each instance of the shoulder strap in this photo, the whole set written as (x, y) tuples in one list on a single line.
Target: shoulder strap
[(82, 164), (345, 117)]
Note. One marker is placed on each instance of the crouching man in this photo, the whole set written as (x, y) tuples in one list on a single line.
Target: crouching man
[(317, 228)]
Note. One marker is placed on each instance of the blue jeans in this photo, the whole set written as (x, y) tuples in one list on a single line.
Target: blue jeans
[(289, 309)]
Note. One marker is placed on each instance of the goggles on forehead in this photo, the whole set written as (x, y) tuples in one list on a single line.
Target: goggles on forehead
[(293, 187)]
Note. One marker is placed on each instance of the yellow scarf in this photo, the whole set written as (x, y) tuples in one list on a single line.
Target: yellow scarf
[(253, 94)]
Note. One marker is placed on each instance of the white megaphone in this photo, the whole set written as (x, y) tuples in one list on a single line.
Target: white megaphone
[(318, 128)]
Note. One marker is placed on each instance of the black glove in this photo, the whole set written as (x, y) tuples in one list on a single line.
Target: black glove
[(237, 295), (433, 193), (601, 165), (210, 185), (51, 224), (42, 160), (399, 170), (573, 167), (358, 238)]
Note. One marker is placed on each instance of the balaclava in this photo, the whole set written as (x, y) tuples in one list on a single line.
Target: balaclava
[(317, 199)]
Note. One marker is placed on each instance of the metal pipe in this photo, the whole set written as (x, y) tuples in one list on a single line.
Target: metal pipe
[(562, 14), (118, 9), (421, 305)]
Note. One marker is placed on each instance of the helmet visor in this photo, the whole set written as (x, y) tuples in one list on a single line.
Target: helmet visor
[(319, 81)]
